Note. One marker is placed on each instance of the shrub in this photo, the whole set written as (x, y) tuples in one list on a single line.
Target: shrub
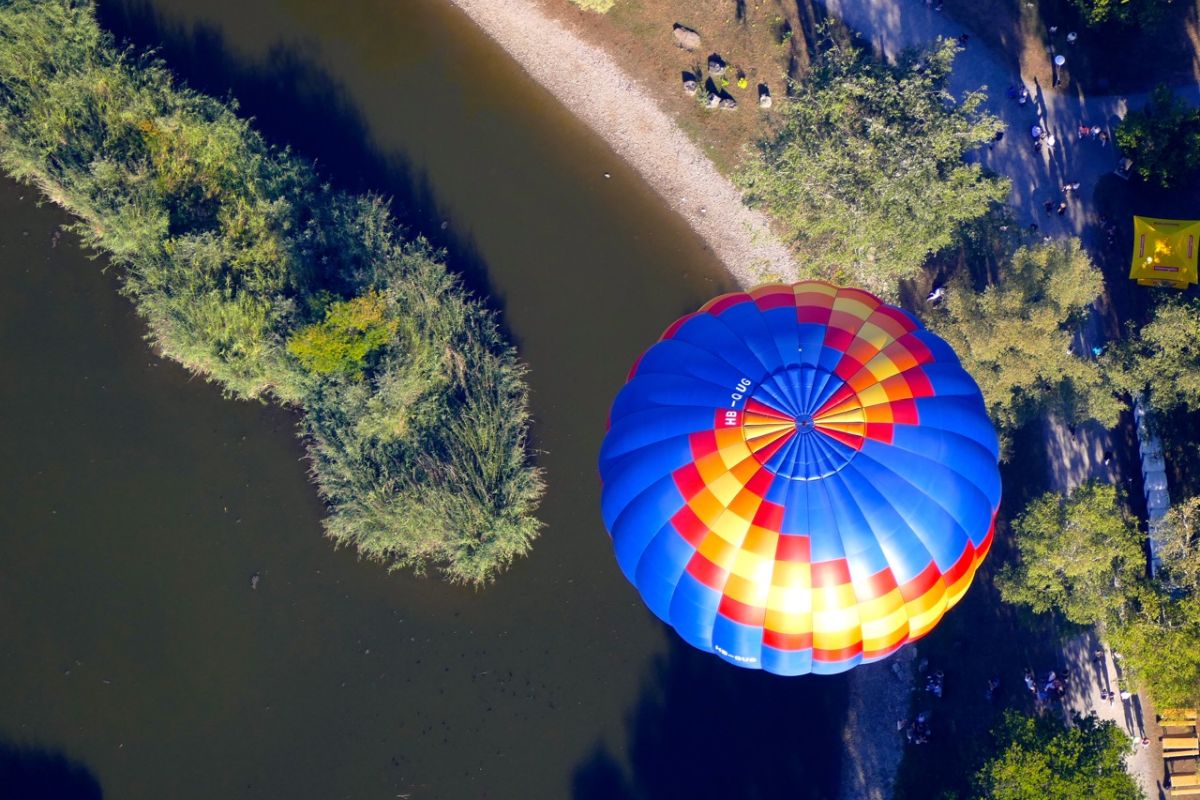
[(1038, 759), (1163, 139)]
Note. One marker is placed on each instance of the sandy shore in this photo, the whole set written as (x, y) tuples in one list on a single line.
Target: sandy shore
[(590, 83), (593, 86)]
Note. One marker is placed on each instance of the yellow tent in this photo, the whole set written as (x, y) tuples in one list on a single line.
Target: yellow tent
[(1165, 251)]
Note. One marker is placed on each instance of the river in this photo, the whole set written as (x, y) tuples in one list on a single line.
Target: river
[(137, 661)]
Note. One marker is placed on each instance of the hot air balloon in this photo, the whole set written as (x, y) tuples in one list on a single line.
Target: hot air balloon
[(800, 478)]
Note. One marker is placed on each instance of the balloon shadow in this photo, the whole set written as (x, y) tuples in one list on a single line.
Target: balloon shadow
[(35, 773), (705, 728)]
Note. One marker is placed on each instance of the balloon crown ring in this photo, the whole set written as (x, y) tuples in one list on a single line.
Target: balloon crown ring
[(803, 422)]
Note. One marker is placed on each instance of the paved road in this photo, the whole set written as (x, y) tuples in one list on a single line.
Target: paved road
[(1090, 676)]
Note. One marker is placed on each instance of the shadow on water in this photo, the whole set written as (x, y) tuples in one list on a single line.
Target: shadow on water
[(34, 773), (704, 728), (296, 104)]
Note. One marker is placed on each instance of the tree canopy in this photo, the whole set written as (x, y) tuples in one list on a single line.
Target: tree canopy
[(1082, 556), (1125, 12), (1161, 640), (1163, 356), (1077, 555), (867, 173), (1015, 340), (1177, 536), (1160, 646), (1038, 759), (1163, 139)]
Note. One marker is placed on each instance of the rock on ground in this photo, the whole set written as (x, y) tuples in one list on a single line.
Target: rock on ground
[(685, 37)]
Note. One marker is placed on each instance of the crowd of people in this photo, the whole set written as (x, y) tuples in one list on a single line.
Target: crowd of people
[(1043, 138), (1052, 687), (916, 731), (935, 682), (1044, 690)]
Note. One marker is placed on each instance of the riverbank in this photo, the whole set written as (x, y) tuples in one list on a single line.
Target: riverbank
[(591, 83)]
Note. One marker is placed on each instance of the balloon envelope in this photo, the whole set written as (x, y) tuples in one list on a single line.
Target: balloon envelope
[(800, 478)]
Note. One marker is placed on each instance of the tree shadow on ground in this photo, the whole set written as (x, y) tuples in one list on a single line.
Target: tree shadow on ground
[(34, 773), (1118, 58), (298, 105), (997, 24), (704, 728), (980, 639)]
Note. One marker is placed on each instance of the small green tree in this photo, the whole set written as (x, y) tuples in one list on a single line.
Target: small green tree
[(1014, 337), (1163, 139), (867, 173), (1160, 647), (351, 331), (1125, 12), (1078, 555), (1164, 357), (1040, 759)]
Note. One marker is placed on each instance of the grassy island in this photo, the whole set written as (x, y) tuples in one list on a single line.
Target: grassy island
[(253, 273)]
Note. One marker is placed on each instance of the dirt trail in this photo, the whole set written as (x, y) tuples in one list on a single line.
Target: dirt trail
[(590, 83)]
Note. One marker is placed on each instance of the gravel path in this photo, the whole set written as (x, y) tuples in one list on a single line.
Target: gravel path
[(1090, 675), (590, 83)]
